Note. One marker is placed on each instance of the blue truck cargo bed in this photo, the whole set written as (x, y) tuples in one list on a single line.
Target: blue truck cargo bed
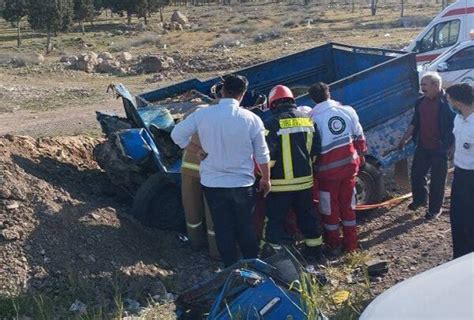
[(381, 84)]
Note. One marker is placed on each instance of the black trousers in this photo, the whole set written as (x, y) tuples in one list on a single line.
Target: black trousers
[(232, 210), (278, 205), (424, 161), (462, 212)]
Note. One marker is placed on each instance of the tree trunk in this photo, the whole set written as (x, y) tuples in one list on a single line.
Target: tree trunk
[(161, 14), (18, 27), (353, 6), (129, 18), (402, 8), (373, 7), (48, 42), (81, 24)]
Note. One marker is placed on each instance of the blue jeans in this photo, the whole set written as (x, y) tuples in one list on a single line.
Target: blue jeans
[(232, 210)]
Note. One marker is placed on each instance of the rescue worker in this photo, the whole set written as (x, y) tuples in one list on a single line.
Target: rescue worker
[(198, 217), (289, 135), (340, 152)]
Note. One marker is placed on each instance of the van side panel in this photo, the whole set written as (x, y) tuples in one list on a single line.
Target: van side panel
[(462, 10)]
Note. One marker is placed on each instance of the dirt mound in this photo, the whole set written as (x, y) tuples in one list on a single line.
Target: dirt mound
[(64, 236)]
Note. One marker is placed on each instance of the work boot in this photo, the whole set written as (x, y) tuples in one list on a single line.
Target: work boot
[(433, 216), (415, 205), (268, 250), (313, 254)]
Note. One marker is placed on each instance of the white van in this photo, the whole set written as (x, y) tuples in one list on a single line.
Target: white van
[(455, 65), (453, 25)]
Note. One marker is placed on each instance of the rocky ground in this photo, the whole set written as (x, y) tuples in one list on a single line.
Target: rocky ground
[(38, 91), (64, 236), (67, 243)]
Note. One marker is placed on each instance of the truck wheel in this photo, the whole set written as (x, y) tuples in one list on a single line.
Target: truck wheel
[(126, 176), (369, 187), (158, 204), (111, 124)]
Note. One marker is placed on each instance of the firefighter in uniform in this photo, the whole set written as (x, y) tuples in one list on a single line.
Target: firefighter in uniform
[(340, 154), (289, 135), (198, 217)]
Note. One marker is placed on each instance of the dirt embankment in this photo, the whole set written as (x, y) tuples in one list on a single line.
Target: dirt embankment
[(64, 236)]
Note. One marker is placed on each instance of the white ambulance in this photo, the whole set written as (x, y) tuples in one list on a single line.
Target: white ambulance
[(453, 25), (455, 65)]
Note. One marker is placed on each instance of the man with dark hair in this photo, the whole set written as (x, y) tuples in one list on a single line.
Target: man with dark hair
[(290, 135), (432, 131), (319, 92), (460, 97), (231, 138), (340, 154)]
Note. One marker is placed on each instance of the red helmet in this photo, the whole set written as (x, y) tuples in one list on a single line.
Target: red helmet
[(279, 92)]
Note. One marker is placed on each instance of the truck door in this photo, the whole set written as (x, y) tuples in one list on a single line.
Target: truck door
[(458, 68), (436, 40)]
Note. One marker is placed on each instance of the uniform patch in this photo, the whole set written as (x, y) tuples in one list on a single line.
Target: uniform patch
[(336, 125)]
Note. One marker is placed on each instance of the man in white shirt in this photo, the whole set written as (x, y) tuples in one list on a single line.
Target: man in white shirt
[(232, 138), (460, 97)]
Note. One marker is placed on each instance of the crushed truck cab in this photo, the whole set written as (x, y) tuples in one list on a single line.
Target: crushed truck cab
[(381, 85)]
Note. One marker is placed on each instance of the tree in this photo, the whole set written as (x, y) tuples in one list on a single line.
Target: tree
[(83, 10), (373, 7), (157, 5), (141, 9), (98, 5), (50, 16), (121, 6), (13, 12), (66, 9)]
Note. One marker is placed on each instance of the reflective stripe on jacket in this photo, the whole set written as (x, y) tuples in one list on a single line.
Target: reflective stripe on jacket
[(341, 140), (190, 164), (289, 135)]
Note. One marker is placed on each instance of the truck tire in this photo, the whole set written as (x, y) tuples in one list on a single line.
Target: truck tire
[(158, 204), (124, 175), (370, 186), (111, 123)]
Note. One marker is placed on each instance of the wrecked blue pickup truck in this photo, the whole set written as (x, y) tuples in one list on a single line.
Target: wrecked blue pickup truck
[(143, 162)]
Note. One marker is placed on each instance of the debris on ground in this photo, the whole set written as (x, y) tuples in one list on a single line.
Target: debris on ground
[(376, 267)]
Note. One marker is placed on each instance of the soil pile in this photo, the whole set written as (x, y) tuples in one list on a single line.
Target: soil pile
[(65, 236)]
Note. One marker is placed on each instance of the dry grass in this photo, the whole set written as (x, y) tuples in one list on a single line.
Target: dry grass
[(343, 297), (147, 39)]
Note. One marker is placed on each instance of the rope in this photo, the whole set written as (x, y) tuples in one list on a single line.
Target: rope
[(387, 203)]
